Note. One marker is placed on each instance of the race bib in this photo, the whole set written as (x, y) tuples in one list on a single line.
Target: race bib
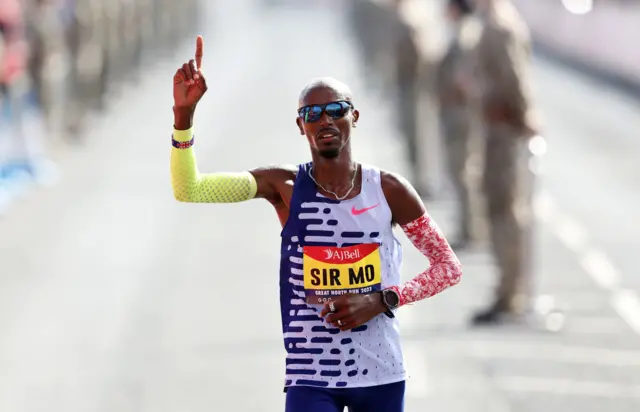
[(333, 271)]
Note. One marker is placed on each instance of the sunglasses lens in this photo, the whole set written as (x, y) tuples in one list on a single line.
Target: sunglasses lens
[(312, 114), (337, 110)]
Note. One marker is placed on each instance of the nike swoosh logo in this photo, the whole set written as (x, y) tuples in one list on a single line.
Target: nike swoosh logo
[(357, 212)]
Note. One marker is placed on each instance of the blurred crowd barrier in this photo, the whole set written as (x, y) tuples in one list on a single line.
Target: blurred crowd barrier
[(59, 61), (601, 35)]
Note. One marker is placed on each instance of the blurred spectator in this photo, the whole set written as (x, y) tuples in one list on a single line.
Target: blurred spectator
[(405, 52), (503, 65), (88, 44), (59, 61), (14, 84), (47, 56), (457, 109)]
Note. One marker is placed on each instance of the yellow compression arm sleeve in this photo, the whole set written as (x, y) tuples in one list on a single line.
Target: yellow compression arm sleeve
[(189, 185)]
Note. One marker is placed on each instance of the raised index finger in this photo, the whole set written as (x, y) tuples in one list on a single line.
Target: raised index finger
[(199, 46)]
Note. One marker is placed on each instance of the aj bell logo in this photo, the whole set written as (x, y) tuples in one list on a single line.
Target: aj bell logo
[(341, 255)]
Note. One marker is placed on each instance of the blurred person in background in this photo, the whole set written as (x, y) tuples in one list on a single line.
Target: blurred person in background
[(130, 32), (371, 22), (14, 85), (144, 26), (457, 109), (503, 64), (68, 55), (88, 48), (47, 58), (391, 57), (406, 55), (4, 192)]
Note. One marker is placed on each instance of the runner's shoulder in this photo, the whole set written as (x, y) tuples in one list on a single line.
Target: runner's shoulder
[(403, 199), (394, 183)]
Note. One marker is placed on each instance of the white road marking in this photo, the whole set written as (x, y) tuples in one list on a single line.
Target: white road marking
[(627, 304), (601, 269), (594, 261), (572, 234)]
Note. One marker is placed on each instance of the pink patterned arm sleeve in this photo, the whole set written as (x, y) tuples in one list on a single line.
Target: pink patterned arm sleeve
[(445, 269)]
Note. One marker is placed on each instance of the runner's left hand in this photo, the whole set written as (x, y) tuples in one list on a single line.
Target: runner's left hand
[(352, 311)]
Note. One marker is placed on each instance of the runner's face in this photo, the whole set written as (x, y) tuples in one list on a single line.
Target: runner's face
[(328, 135)]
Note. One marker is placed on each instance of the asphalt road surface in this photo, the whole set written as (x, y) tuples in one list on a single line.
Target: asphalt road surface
[(114, 297)]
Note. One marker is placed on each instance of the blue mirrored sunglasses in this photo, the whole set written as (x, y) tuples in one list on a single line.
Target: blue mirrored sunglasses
[(334, 110)]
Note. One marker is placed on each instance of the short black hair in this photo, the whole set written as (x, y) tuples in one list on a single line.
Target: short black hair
[(328, 82)]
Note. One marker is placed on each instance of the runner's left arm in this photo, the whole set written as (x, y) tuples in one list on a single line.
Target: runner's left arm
[(410, 213)]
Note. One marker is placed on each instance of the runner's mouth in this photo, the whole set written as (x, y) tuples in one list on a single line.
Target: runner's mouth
[(327, 135)]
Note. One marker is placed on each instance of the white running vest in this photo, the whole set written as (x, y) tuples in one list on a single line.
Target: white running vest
[(330, 232)]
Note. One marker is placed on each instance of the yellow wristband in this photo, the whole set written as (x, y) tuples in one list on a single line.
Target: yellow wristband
[(183, 135)]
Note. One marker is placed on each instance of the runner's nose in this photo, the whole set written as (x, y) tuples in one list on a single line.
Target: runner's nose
[(326, 120)]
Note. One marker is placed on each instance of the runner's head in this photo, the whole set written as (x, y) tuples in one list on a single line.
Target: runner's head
[(326, 116)]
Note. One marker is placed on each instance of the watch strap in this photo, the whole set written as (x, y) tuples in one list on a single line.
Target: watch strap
[(389, 312)]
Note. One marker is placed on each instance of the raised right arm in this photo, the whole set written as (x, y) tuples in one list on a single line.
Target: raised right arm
[(189, 185)]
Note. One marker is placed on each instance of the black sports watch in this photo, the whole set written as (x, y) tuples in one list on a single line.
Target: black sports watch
[(391, 300)]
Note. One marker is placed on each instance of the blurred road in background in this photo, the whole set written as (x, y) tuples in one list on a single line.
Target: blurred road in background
[(114, 297)]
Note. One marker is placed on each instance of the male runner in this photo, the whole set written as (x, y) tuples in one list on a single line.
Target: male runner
[(339, 269)]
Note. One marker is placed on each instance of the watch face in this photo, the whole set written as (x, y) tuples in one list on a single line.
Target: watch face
[(391, 298)]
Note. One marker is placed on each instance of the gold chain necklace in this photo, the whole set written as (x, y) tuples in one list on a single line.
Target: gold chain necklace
[(353, 184)]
